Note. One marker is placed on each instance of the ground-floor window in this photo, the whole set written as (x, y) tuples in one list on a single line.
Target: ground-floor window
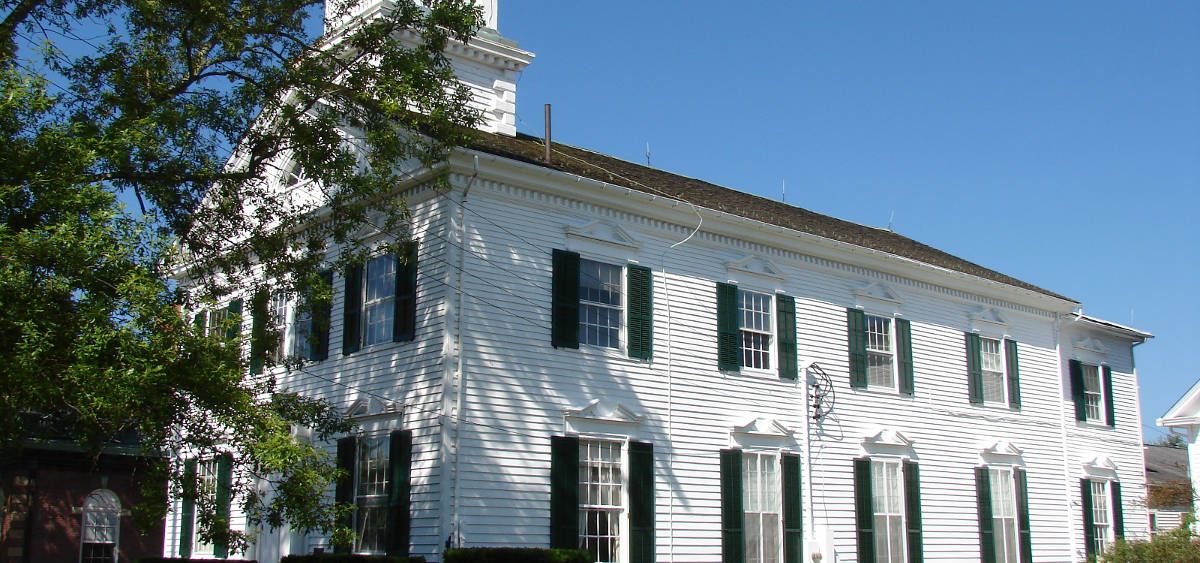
[(601, 502), (761, 502), (101, 527)]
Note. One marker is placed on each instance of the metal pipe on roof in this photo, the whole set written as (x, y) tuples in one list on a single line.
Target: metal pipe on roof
[(547, 142)]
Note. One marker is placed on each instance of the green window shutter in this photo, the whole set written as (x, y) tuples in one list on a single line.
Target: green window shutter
[(564, 318), (399, 492), (729, 334), (1014, 373), (640, 328), (904, 348), (912, 512), (404, 318), (793, 514), (733, 515), (234, 330), (1023, 525), (1110, 414), (785, 326), (352, 310), (564, 492), (864, 511), (258, 331), (321, 314), (641, 502), (974, 368), (224, 501), (200, 321), (856, 337), (983, 503), (187, 509), (1077, 391), (1118, 511), (347, 453), (1089, 525)]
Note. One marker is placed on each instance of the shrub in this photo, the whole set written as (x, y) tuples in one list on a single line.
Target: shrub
[(516, 555), (181, 560), (1177, 546), (348, 558)]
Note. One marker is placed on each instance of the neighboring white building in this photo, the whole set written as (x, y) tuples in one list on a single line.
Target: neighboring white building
[(1184, 417), (592, 352)]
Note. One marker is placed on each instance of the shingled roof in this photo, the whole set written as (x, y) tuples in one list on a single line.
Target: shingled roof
[(623, 173)]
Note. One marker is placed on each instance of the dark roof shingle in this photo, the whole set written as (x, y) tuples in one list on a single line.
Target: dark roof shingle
[(619, 172)]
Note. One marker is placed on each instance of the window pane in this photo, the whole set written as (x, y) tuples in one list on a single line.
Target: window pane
[(370, 519), (600, 498), (1091, 391), (600, 301), (756, 329), (378, 297), (880, 360), (760, 474)]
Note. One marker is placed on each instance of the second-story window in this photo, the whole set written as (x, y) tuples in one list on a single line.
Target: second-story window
[(1092, 388), (379, 286), (1093, 397), (880, 364), (755, 325), (600, 301), (992, 366)]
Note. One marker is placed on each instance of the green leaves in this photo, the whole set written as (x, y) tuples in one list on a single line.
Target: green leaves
[(201, 110)]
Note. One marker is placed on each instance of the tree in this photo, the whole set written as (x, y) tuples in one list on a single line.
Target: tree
[(204, 112)]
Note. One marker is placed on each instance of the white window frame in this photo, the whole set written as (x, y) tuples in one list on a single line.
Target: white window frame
[(891, 352), (585, 304), (279, 311), (206, 495), (1103, 531), (105, 504), (768, 331), (1002, 373), (1101, 399), (1007, 548), (385, 302), (773, 457), (622, 519), (375, 500), (896, 513), (299, 330)]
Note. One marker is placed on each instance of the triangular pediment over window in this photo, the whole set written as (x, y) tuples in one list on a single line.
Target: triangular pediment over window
[(603, 231), (372, 407), (887, 437), (987, 319), (1091, 344), (604, 410), (877, 296), (1000, 448), (763, 427), (1099, 465), (755, 265)]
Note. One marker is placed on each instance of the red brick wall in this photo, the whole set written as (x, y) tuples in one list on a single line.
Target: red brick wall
[(44, 491)]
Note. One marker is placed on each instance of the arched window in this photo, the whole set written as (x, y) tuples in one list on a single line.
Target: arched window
[(101, 527)]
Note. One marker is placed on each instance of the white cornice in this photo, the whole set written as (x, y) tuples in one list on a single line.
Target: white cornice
[(605, 232), (763, 427), (755, 265), (604, 410)]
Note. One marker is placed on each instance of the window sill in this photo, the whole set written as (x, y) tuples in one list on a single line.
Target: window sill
[(996, 405), (878, 390), (1095, 425)]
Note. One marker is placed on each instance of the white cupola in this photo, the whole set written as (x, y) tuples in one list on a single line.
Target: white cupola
[(488, 64)]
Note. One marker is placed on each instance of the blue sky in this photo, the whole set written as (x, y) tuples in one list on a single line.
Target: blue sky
[(1055, 142)]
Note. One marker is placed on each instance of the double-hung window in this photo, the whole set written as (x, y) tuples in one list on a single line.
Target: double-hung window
[(380, 300), (602, 498), (992, 368), (376, 481), (760, 506), (208, 485), (379, 285), (600, 304), (887, 510), (763, 509), (756, 329), (371, 495), (881, 365), (1003, 503), (993, 376), (1092, 390), (888, 505), (1103, 514), (101, 527), (880, 351)]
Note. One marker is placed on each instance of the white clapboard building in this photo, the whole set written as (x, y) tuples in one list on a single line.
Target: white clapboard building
[(584, 351)]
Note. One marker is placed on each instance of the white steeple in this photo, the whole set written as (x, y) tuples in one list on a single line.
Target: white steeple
[(488, 64)]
